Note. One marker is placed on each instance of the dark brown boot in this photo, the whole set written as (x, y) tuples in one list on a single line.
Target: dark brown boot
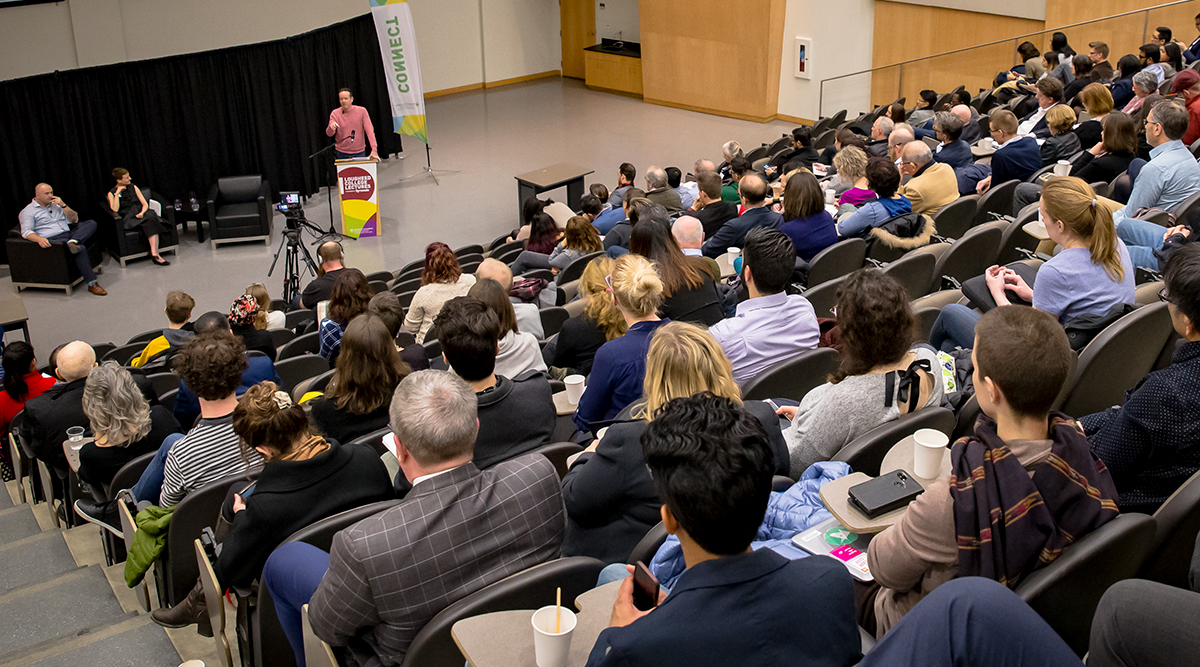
[(193, 609)]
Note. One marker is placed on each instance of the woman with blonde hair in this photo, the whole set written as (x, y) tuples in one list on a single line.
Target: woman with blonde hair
[(1062, 142), (1091, 275), (441, 281), (265, 318), (620, 364), (851, 165), (123, 424), (1097, 101), (573, 351), (611, 500), (729, 151)]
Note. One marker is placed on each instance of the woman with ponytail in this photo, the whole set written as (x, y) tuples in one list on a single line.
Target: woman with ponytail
[(1091, 275), (22, 380)]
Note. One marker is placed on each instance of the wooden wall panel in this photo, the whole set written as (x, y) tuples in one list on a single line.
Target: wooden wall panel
[(713, 55), (1123, 35), (578, 32)]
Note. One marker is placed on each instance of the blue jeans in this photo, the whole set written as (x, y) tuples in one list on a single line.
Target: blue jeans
[(971, 621), (346, 156), (1141, 238), (953, 328), (149, 485), (80, 233), (292, 574)]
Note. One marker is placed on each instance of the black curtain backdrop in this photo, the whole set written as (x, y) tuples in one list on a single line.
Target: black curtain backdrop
[(180, 123)]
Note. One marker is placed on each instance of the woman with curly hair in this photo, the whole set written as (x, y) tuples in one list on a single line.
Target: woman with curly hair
[(879, 364), (368, 369), (350, 297), (441, 281), (243, 315), (581, 336)]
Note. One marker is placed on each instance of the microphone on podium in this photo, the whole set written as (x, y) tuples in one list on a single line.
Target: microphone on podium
[(351, 135)]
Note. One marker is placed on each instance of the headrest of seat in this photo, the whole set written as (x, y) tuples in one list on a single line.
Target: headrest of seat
[(239, 189)]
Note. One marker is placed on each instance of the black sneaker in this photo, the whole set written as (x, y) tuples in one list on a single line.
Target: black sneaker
[(102, 514)]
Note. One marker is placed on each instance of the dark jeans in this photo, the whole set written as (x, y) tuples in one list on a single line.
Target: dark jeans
[(292, 574), (149, 486), (346, 156), (80, 233), (954, 327)]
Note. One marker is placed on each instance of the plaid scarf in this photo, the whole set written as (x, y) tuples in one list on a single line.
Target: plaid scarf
[(1010, 524)]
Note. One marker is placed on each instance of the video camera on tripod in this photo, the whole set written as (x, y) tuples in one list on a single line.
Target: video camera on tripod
[(293, 214)]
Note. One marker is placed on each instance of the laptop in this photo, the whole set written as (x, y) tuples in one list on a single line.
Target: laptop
[(830, 538)]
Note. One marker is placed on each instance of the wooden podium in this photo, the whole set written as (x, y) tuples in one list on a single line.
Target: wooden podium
[(358, 197)]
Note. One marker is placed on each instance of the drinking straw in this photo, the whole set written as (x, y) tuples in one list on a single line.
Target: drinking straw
[(558, 611)]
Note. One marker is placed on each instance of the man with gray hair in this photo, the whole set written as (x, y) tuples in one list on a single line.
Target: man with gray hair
[(878, 145), (953, 149), (931, 185), (457, 531), (660, 192)]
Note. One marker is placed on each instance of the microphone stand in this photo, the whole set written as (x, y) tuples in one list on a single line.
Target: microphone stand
[(333, 173)]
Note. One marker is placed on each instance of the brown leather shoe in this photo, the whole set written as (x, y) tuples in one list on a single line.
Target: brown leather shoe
[(192, 610), (96, 289)]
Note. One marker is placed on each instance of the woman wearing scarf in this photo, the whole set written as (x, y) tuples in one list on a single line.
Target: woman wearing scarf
[(1023, 488), (242, 315)]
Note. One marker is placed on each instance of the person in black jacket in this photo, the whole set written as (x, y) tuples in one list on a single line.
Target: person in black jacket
[(711, 211), (802, 150), (1106, 160), (242, 315), (610, 497), (515, 415), (574, 349), (306, 479)]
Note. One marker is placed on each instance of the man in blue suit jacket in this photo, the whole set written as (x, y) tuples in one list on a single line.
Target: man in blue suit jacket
[(712, 467), (260, 369), (753, 190), (953, 150), (1016, 159)]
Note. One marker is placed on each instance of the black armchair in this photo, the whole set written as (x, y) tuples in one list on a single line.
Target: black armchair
[(126, 244), (52, 268), (239, 209)]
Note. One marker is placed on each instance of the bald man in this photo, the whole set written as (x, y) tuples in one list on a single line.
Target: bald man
[(753, 191), (901, 135), (332, 263), (48, 221), (529, 318), (689, 234), (970, 119), (47, 417), (931, 185)]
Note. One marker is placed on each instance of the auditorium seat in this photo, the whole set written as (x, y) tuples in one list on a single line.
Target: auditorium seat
[(866, 452), (998, 199), (239, 209), (31, 265), (1177, 522), (648, 546), (558, 453), (840, 259), (914, 271), (575, 269), (792, 378), (126, 244), (214, 603), (954, 219)]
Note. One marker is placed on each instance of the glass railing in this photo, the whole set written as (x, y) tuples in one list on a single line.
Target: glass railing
[(975, 67)]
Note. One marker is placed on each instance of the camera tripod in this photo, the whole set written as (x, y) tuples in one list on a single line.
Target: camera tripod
[(295, 252)]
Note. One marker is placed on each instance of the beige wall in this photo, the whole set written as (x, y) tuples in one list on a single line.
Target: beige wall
[(841, 44), (1026, 9)]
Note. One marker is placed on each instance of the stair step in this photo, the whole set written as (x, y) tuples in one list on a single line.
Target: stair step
[(57, 609), (34, 559), (5, 498), (17, 523), (129, 641)]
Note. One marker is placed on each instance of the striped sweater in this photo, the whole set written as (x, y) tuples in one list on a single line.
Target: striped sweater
[(208, 453)]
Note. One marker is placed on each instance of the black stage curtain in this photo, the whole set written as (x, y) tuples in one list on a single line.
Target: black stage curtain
[(179, 123)]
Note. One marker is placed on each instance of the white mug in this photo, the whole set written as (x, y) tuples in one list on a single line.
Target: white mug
[(929, 448), (1063, 168), (830, 196)]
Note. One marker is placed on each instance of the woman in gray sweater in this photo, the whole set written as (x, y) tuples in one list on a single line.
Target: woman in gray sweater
[(881, 376)]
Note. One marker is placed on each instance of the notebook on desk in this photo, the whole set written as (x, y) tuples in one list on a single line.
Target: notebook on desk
[(830, 538)]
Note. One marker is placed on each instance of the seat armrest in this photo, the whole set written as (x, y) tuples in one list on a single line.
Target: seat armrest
[(168, 208), (213, 198), (264, 205)]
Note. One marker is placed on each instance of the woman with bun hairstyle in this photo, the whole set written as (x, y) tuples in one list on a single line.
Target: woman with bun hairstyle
[(306, 478), (620, 364), (441, 281)]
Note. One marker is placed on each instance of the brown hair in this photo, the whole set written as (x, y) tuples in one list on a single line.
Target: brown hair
[(897, 112), (1096, 99), (119, 173), (1026, 353), (386, 306), (259, 292), (212, 364), (1060, 118), (582, 236), (847, 137), (441, 265), (875, 320), (636, 286), (599, 308), (349, 298), (491, 293), (261, 422), (652, 239), (802, 196), (1003, 120), (1050, 87), (709, 183), (599, 191), (179, 307), (1072, 202), (1120, 133), (368, 367)]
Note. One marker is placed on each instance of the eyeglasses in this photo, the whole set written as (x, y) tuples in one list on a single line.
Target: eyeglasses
[(1163, 296), (1151, 122)]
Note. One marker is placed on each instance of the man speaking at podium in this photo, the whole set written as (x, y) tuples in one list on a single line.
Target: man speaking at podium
[(351, 128)]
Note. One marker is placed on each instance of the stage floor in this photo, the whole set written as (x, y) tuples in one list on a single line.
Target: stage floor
[(480, 140)]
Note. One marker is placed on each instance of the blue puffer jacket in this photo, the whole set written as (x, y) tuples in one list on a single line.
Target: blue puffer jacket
[(788, 513)]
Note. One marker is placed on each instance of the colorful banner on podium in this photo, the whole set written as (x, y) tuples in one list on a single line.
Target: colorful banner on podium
[(398, 46), (359, 196)]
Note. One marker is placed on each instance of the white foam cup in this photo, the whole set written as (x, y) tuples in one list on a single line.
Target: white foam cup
[(731, 255), (550, 648), (830, 196), (574, 388), (1063, 168), (929, 446)]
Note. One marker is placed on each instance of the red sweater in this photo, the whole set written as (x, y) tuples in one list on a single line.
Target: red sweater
[(38, 384), (355, 119)]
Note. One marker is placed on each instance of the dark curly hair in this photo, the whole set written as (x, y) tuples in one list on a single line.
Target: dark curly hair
[(875, 321), (441, 265), (212, 364), (350, 295)]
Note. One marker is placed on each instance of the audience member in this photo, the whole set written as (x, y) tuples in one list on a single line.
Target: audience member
[(128, 204), (1108, 159), (1140, 118), (1091, 275), (931, 185), (1097, 101), (1150, 56), (810, 227), (388, 575), (386, 306), (48, 221), (739, 168), (924, 110), (753, 190), (881, 376), (771, 326), (1122, 87), (368, 369), (518, 350), (711, 466), (1062, 142), (635, 201), (1081, 67), (1150, 442), (1016, 158), (675, 182), (900, 136), (620, 364), (332, 264), (1186, 85), (265, 318), (47, 417), (952, 150), (441, 280), (1192, 53), (1102, 70), (841, 139), (971, 119), (543, 234), (730, 151), (529, 209), (22, 380), (851, 165), (575, 347), (1144, 85), (529, 317), (1022, 460), (1172, 59), (625, 175), (516, 412), (243, 313), (689, 292), (178, 332), (579, 239), (605, 218), (351, 294), (711, 210), (689, 235), (884, 181), (1161, 37), (897, 112), (660, 192), (802, 150), (880, 130), (1049, 93)]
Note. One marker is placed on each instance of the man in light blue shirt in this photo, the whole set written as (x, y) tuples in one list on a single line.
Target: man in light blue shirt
[(1170, 177), (47, 220), (771, 326)]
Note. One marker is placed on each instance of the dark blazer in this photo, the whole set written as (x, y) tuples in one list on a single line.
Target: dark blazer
[(619, 235), (576, 345), (290, 495), (1041, 129), (515, 416), (734, 232), (453, 535), (1102, 72), (957, 154), (667, 198), (342, 425), (611, 500), (319, 289), (47, 418), (877, 148), (699, 305), (757, 608), (1088, 133), (1017, 160), (1104, 168), (715, 215), (1059, 147)]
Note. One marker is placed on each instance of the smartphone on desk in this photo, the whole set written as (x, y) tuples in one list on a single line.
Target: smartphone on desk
[(885, 493), (645, 588)]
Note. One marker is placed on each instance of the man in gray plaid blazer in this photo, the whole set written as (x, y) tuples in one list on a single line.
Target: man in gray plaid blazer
[(458, 530)]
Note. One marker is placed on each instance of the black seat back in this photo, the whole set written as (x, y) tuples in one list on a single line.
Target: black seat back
[(237, 190), (553, 319), (558, 453), (954, 219), (970, 256), (865, 453), (309, 343), (998, 199), (176, 570), (648, 546), (823, 297), (839, 259), (914, 271), (1177, 523), (292, 371), (793, 378), (575, 269)]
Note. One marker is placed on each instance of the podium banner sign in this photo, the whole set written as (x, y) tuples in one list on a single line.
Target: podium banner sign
[(398, 46), (359, 196)]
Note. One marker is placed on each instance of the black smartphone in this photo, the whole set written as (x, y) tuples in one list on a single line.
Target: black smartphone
[(885, 493), (645, 588)]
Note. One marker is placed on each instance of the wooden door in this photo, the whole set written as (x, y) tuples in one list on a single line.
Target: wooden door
[(578, 30)]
